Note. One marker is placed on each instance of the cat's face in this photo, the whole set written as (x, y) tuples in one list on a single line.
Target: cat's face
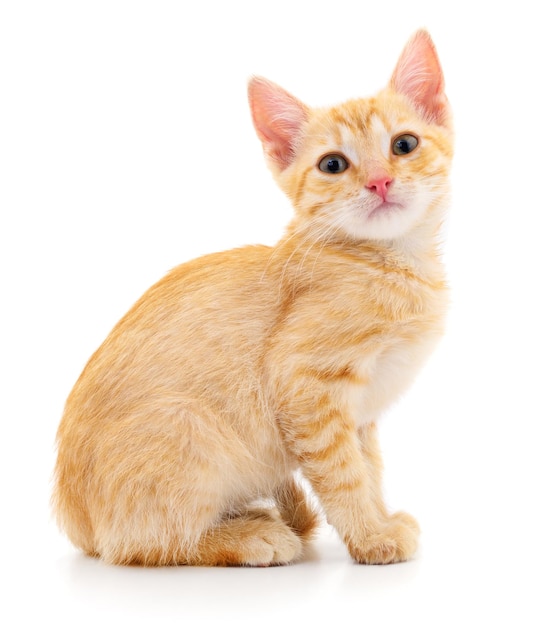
[(367, 169)]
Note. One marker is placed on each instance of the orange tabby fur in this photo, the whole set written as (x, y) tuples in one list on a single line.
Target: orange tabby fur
[(180, 440)]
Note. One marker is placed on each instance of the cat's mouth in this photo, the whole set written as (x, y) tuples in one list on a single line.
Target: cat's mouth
[(385, 208)]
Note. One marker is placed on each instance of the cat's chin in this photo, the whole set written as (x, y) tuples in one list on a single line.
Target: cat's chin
[(384, 209), (386, 221)]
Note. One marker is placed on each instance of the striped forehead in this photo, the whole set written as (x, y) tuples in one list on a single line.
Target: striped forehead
[(360, 139)]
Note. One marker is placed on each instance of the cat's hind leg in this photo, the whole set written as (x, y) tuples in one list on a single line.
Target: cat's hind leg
[(171, 485), (273, 536), (255, 538)]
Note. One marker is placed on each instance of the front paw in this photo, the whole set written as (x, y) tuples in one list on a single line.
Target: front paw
[(407, 520), (392, 541)]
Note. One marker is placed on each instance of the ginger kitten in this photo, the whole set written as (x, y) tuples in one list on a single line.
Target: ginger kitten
[(239, 368)]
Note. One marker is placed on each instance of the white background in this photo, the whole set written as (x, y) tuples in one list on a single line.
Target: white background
[(126, 148)]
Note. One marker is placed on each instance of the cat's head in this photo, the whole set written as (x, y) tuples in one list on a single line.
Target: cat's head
[(372, 168)]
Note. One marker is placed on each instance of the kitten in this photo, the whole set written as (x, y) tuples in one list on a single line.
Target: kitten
[(241, 367)]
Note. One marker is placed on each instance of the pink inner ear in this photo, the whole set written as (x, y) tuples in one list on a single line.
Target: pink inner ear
[(418, 76), (278, 118)]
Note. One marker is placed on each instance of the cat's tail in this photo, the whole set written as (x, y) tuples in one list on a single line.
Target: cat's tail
[(298, 510)]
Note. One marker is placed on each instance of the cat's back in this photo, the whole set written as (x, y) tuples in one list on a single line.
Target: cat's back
[(200, 324)]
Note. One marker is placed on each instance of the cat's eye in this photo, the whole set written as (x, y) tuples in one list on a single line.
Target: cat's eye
[(333, 164), (404, 144)]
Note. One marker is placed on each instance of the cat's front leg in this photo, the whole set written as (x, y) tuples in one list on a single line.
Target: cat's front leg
[(370, 448), (400, 525), (344, 468)]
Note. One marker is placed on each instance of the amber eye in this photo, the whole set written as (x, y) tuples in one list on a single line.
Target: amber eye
[(404, 144), (333, 164)]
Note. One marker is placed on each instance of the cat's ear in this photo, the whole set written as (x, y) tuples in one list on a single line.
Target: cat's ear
[(278, 118), (418, 76)]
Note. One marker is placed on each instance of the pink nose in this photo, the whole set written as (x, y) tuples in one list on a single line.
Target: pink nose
[(380, 186)]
